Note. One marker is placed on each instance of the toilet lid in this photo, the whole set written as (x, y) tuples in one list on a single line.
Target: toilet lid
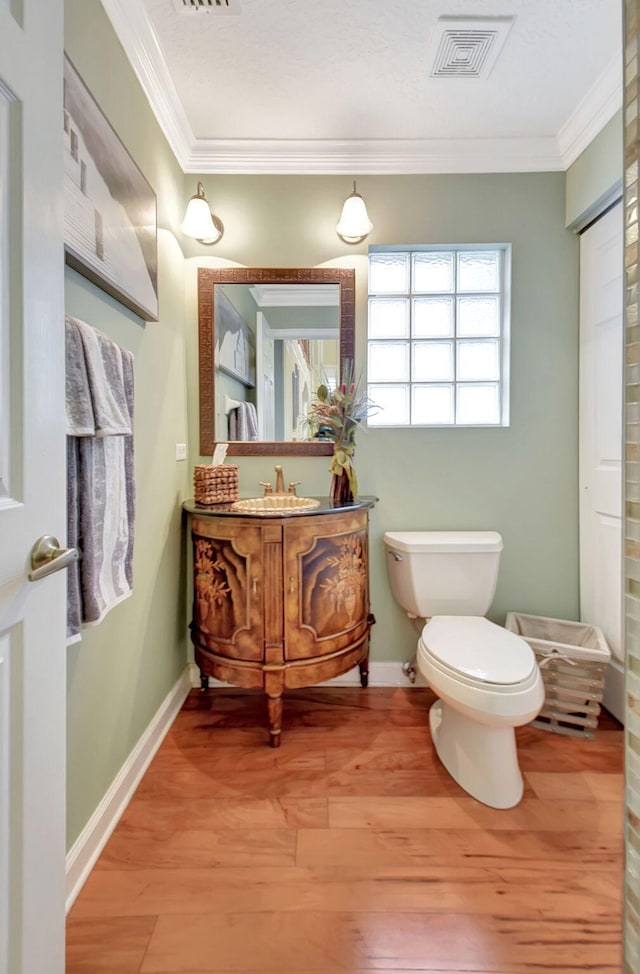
[(477, 648)]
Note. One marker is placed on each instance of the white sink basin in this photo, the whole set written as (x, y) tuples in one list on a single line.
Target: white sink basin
[(275, 504)]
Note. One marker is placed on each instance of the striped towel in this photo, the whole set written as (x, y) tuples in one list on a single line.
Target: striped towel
[(100, 474)]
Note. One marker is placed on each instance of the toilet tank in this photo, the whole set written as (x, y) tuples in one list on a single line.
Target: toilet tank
[(443, 572)]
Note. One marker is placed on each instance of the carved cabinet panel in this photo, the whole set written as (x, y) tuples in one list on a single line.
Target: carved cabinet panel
[(327, 604), (280, 603), (228, 588)]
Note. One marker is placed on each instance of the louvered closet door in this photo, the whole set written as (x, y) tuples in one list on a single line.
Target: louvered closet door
[(32, 488)]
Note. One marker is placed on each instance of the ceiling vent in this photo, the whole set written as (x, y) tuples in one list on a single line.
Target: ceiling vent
[(207, 6), (468, 48)]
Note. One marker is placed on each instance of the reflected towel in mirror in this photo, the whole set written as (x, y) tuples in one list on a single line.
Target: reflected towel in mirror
[(243, 422)]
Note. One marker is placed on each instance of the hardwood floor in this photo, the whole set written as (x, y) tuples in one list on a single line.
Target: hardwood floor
[(351, 849)]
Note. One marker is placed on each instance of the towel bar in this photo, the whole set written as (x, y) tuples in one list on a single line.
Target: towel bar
[(230, 404)]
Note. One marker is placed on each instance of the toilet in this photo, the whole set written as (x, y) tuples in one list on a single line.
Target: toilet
[(486, 678)]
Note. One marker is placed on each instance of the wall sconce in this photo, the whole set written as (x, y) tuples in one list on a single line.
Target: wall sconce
[(354, 223), (199, 221)]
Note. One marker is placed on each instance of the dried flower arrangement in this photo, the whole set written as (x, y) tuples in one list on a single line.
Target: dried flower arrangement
[(339, 413)]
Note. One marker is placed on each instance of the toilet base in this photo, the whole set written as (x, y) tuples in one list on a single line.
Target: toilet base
[(483, 760)]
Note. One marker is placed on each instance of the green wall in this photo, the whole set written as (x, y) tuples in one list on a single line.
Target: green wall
[(596, 175), (521, 481), (122, 670)]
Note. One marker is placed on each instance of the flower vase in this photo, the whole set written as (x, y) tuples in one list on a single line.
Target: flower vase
[(341, 488)]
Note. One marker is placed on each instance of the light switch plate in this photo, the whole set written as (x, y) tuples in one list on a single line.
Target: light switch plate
[(181, 451)]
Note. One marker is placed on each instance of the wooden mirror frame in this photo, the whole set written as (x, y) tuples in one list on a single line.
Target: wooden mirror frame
[(207, 279)]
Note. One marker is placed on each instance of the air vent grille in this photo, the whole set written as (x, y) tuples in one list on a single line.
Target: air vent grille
[(466, 48), (207, 6)]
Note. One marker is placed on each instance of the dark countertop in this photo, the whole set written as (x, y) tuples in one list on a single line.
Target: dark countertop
[(327, 506)]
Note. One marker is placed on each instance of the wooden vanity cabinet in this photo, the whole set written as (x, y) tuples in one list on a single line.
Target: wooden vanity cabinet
[(280, 603)]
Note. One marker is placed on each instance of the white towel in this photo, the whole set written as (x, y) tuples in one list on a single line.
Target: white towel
[(100, 474)]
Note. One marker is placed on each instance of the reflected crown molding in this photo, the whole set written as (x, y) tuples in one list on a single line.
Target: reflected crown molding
[(293, 296), (135, 31), (312, 334)]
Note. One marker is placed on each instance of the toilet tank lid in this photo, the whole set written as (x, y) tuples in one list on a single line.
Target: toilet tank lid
[(443, 541)]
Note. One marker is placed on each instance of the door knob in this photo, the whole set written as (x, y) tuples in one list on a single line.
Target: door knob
[(48, 557)]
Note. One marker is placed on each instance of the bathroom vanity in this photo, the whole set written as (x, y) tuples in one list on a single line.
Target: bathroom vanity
[(281, 599)]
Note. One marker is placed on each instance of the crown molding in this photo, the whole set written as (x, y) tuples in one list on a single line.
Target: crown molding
[(346, 157), (372, 156), (598, 106), (133, 28)]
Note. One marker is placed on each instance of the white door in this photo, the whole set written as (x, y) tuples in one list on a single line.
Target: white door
[(32, 489), (265, 378), (601, 353)]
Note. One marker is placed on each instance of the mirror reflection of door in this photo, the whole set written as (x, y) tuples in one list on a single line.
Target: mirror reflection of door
[(295, 397), (265, 384), (294, 329)]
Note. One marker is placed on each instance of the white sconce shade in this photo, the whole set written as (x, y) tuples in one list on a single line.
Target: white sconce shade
[(354, 224), (199, 222)]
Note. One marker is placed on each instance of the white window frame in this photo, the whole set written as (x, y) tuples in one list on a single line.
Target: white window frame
[(504, 293)]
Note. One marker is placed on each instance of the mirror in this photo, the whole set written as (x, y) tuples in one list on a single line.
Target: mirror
[(267, 339)]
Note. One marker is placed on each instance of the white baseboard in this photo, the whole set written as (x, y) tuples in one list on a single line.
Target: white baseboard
[(380, 675), (82, 856)]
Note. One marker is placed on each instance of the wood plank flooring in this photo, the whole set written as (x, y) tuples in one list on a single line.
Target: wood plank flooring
[(351, 849)]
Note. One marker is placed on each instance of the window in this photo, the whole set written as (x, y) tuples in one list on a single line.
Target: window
[(438, 336)]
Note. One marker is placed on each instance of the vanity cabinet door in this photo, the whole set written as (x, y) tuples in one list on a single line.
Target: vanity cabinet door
[(228, 576), (326, 584)]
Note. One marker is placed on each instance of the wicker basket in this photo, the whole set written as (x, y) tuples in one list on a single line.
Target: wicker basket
[(573, 659), (215, 485)]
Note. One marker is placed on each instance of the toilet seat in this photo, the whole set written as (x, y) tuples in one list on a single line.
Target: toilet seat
[(476, 652), (497, 689)]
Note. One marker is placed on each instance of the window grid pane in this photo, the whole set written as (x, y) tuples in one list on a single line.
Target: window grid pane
[(388, 273), (433, 317), (478, 404), (389, 361), (454, 347), (433, 404), (478, 361), (388, 317), (433, 272), (433, 362), (394, 404), (478, 271)]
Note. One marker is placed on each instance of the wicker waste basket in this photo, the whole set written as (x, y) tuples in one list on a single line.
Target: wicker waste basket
[(573, 658)]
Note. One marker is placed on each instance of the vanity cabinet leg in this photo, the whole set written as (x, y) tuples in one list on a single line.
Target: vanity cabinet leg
[(204, 680), (363, 666), (275, 720)]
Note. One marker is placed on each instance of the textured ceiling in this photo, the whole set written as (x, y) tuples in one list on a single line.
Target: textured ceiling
[(359, 69)]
